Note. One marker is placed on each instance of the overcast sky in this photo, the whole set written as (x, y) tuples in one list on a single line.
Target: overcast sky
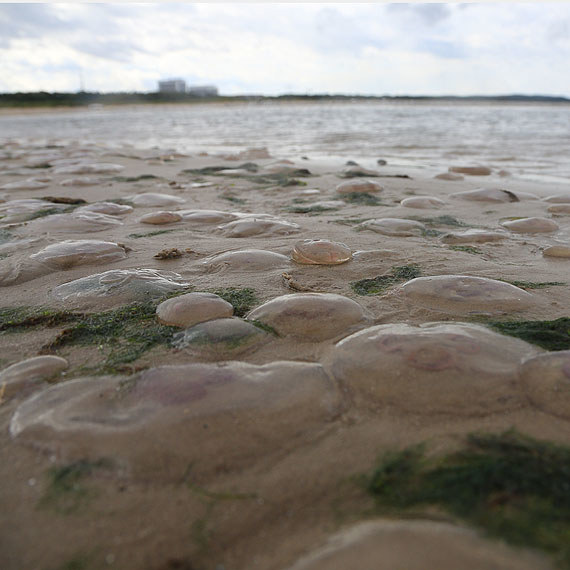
[(271, 48)]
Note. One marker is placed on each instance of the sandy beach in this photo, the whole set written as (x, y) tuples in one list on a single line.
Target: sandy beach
[(238, 430)]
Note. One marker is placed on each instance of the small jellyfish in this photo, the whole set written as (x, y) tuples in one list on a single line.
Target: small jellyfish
[(562, 251), (26, 373), (320, 252), (449, 176), (30, 184), (463, 294), (473, 236), (109, 208), (71, 253), (311, 316), (248, 227), (192, 308), (559, 209), (393, 227), (152, 199), (245, 260), (206, 217), (355, 186), (158, 218), (423, 202), (546, 380), (487, 195), (76, 222), (534, 225), (558, 199), (435, 368), (90, 168), (81, 181), (471, 170)]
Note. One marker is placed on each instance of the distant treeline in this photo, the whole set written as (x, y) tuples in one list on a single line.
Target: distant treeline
[(45, 99)]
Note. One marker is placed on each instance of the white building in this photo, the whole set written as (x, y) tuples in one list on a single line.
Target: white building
[(172, 86)]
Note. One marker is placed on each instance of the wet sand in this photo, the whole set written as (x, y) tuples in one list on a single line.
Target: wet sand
[(238, 444)]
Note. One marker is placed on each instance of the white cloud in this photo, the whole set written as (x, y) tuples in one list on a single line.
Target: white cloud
[(270, 48)]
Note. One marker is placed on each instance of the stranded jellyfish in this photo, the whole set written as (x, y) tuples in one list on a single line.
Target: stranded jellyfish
[(81, 181), (151, 199), (109, 208), (156, 423), (76, 222), (559, 209), (191, 308), (254, 226), (134, 284), (434, 368), (464, 294), (158, 218), (393, 227), (472, 236), (562, 251), (205, 217), (320, 252), (535, 225), (310, 316), (22, 210), (546, 380), (487, 195), (352, 186), (26, 373), (221, 338), (471, 170), (70, 253), (558, 199), (415, 545), (424, 202), (246, 260), (30, 184), (92, 168)]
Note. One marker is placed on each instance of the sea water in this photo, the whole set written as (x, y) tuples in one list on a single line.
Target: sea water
[(530, 140)]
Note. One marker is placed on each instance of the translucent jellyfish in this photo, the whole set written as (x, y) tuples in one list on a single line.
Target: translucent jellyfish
[(135, 284), (22, 210), (424, 202), (535, 225), (473, 236), (558, 199), (246, 260), (30, 184), (453, 368), (559, 209), (71, 253), (449, 176), (471, 170), (487, 195), (562, 251), (109, 208), (81, 181), (158, 218), (462, 294), (221, 338), (351, 186), (356, 170), (206, 216), (415, 545), (76, 222), (192, 308), (321, 252), (248, 227), (23, 375), (393, 227), (311, 316), (153, 199), (546, 380), (92, 168), (232, 413)]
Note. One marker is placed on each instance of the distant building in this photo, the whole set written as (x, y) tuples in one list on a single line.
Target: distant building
[(172, 86), (203, 91)]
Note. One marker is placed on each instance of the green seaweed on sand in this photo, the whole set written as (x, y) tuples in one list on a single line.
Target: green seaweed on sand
[(363, 198), (51, 211), (66, 492), (242, 300), (150, 234), (550, 335), (377, 285), (123, 335), (218, 170), (315, 210), (513, 487), (18, 319), (466, 249), (233, 199), (5, 236), (349, 221), (135, 178)]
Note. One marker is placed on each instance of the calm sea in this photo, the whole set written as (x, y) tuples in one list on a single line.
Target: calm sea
[(531, 141)]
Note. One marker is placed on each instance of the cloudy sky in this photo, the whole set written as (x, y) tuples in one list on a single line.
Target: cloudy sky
[(273, 48)]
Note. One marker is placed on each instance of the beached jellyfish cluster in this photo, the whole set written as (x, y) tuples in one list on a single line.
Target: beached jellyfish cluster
[(320, 252)]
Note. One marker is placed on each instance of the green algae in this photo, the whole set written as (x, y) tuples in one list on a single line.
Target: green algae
[(361, 198), (550, 335), (513, 487), (377, 285), (242, 300), (534, 284), (466, 249), (19, 319), (314, 210), (135, 178), (151, 234), (444, 220)]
